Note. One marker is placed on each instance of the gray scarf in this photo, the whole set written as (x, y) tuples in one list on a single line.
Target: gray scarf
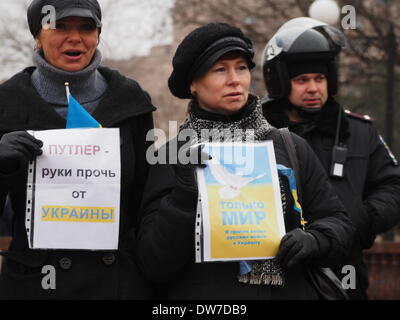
[(254, 127), (87, 86)]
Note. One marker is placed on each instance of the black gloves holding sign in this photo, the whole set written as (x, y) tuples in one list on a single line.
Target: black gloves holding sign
[(189, 157), (296, 246), (185, 169), (17, 147)]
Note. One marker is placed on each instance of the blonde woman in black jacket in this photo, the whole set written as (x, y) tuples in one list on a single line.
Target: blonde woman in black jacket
[(34, 99), (212, 68)]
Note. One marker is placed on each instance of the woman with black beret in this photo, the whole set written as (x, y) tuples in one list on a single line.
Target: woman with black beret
[(35, 99), (211, 67)]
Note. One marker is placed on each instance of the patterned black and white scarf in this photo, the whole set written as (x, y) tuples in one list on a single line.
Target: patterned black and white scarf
[(251, 126)]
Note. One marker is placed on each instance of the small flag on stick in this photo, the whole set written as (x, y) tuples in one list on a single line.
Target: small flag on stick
[(77, 116)]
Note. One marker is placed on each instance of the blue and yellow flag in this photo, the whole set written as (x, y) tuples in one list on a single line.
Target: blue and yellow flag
[(290, 174), (247, 266), (78, 117)]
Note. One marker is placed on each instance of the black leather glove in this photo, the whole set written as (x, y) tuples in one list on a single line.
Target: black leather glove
[(188, 159), (296, 246), (15, 147)]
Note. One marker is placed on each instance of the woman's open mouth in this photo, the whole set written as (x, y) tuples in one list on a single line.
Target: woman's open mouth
[(73, 55)]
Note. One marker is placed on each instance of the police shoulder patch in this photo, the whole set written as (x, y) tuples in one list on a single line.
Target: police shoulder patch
[(359, 116)]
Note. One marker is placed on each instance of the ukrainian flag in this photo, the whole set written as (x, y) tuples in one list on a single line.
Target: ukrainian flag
[(78, 117), (289, 173)]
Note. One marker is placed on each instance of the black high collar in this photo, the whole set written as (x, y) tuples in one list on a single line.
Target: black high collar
[(325, 121)]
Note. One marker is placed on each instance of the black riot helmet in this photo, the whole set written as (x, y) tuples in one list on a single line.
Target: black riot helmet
[(301, 43)]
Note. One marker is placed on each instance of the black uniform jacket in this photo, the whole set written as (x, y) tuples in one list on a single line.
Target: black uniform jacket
[(79, 274), (166, 248), (370, 188)]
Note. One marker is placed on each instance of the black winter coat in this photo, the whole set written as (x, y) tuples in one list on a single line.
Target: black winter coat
[(166, 248), (79, 274), (370, 189)]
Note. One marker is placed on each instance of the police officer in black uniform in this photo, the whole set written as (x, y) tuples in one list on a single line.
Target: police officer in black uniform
[(300, 75)]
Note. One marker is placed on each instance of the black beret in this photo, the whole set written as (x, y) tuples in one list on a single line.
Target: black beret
[(200, 49), (63, 8)]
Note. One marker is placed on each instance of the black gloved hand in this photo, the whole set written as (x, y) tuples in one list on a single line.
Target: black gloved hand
[(296, 246), (15, 147), (189, 158)]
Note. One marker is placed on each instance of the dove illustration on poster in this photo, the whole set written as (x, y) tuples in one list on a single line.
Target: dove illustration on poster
[(231, 182)]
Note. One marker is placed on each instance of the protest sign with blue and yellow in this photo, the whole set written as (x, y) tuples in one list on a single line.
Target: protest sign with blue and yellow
[(241, 203), (73, 189)]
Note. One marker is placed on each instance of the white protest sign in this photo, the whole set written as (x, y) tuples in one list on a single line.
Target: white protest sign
[(73, 190)]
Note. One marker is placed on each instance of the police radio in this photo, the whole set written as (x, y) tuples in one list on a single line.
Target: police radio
[(339, 152)]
